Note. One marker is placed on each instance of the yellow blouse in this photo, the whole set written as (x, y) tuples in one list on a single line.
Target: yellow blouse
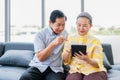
[(94, 51)]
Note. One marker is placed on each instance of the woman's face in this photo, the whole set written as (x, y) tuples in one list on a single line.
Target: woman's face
[(58, 26), (83, 26)]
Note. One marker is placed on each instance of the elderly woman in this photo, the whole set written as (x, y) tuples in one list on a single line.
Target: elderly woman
[(89, 66)]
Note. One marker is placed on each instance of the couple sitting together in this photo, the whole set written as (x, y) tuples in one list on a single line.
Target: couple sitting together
[(53, 48)]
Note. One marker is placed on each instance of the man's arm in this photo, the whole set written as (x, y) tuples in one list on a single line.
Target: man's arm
[(45, 53)]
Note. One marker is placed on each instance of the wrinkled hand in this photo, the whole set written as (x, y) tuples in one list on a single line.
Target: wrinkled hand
[(67, 53), (66, 56), (59, 40), (81, 56)]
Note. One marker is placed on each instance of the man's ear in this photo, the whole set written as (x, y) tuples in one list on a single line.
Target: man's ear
[(50, 21)]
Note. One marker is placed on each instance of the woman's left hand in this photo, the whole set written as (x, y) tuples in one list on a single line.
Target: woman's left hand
[(86, 58), (82, 56)]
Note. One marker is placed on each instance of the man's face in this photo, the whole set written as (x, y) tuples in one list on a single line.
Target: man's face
[(83, 26), (58, 26)]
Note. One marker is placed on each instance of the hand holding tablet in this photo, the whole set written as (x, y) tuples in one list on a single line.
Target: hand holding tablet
[(78, 48)]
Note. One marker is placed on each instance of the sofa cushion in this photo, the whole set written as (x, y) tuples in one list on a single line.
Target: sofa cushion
[(106, 63), (116, 67), (17, 57), (11, 72), (113, 74)]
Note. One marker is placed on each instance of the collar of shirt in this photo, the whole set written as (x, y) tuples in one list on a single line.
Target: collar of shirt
[(85, 36)]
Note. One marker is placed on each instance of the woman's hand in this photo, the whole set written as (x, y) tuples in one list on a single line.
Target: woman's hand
[(66, 56), (81, 56), (86, 58)]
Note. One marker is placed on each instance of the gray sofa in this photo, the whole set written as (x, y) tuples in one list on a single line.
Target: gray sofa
[(15, 57)]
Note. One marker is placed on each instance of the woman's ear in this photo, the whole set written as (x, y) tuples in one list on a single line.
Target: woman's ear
[(91, 25)]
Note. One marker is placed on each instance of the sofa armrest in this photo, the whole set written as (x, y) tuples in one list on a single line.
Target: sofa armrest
[(108, 52), (1, 48)]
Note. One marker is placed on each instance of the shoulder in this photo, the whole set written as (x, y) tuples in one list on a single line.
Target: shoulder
[(41, 34), (94, 39), (42, 31)]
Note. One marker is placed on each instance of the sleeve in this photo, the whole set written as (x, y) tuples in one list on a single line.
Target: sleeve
[(67, 46), (97, 53), (39, 43)]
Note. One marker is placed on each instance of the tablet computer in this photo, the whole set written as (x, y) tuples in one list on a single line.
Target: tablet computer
[(76, 48)]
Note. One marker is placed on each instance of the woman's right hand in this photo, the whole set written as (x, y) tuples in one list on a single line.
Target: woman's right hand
[(66, 56)]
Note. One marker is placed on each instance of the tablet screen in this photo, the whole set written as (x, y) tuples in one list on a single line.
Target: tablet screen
[(77, 48)]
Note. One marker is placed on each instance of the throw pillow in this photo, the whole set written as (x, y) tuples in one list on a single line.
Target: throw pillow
[(106, 63), (17, 57)]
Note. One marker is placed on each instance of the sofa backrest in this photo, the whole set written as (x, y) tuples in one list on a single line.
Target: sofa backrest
[(1, 48), (18, 46), (108, 52), (29, 46), (17, 54)]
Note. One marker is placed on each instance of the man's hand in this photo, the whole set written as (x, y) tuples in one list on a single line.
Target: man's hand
[(59, 40)]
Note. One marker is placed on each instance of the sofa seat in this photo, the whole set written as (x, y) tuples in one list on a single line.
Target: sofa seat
[(11, 72), (114, 73)]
